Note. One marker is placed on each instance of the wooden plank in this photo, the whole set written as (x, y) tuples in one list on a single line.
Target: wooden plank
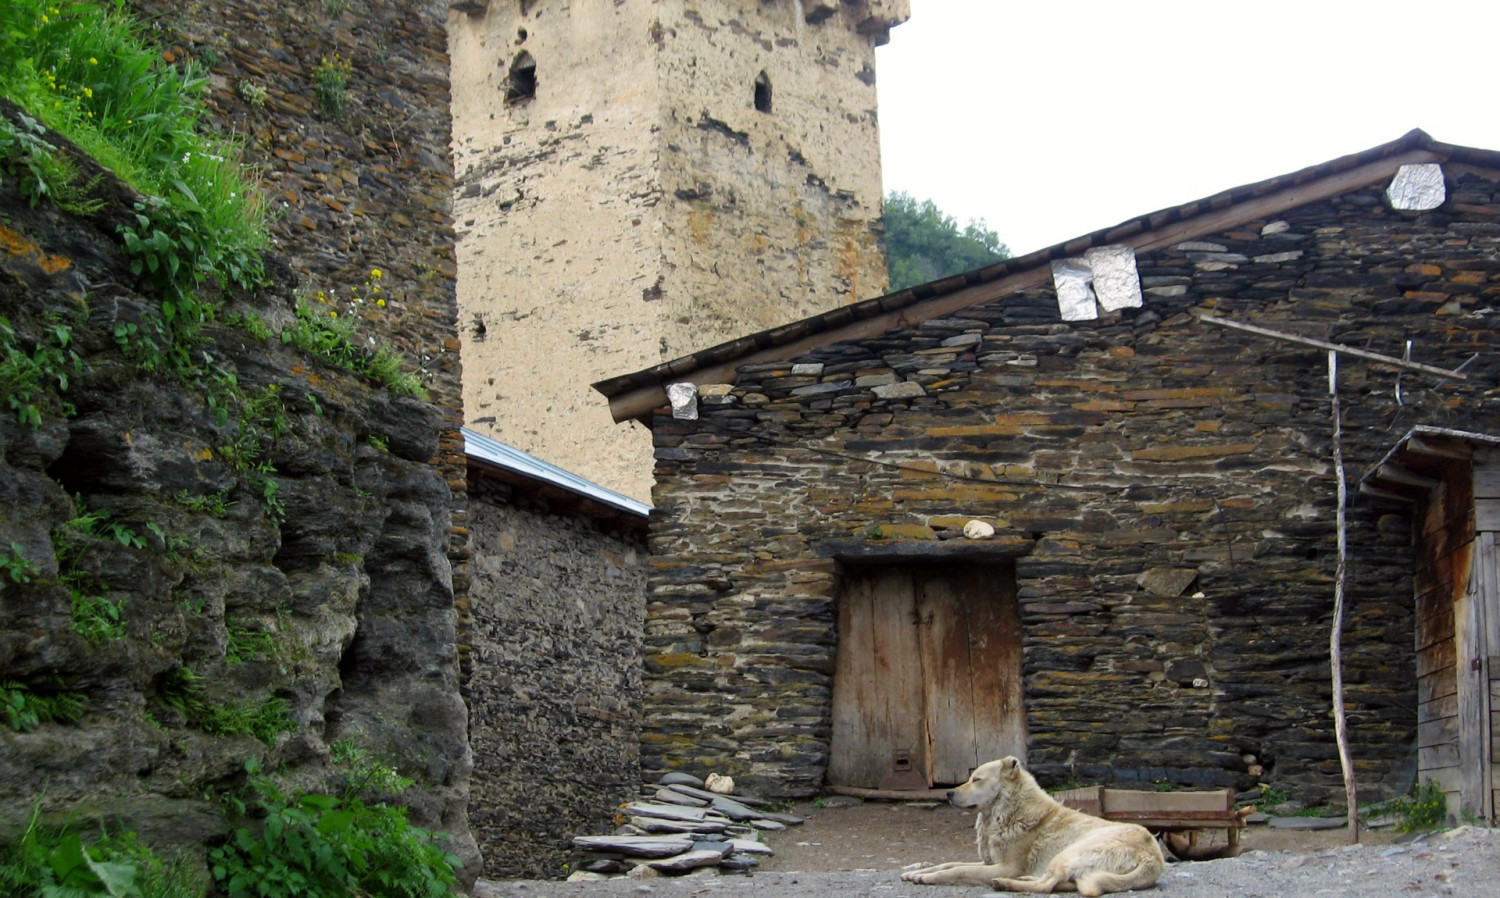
[(1434, 617), (1487, 515), (1134, 801), (1433, 760), (1435, 686), (1438, 709), (890, 794), (1486, 481), (1436, 657), (877, 694), (1486, 599), (1333, 347), (943, 640), (994, 616), (1473, 698), (1443, 731)]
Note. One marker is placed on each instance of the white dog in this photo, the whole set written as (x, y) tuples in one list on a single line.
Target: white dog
[(1030, 843)]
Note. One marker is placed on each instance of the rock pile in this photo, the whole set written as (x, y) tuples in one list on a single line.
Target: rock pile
[(677, 827)]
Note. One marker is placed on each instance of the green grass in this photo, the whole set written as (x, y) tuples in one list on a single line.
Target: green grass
[(83, 69)]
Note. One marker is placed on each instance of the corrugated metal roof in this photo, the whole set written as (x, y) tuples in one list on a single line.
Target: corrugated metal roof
[(479, 447)]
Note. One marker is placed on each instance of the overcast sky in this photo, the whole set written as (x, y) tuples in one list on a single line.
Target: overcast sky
[(1053, 119)]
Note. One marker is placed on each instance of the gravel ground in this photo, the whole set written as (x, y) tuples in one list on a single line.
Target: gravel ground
[(860, 851)]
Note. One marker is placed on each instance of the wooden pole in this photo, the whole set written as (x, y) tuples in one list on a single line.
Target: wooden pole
[(1336, 634)]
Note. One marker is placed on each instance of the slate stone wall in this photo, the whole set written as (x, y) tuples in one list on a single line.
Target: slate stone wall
[(1165, 488), (556, 691)]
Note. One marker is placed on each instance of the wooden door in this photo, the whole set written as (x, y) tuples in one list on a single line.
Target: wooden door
[(929, 664)]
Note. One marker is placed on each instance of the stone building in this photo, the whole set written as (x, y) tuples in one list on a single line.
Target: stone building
[(554, 683), (1053, 508), (636, 178)]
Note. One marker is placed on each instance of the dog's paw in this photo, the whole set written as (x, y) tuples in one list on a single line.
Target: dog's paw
[(914, 876)]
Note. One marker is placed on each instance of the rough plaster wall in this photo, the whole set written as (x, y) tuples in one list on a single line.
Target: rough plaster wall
[(776, 214), (559, 232), (640, 207), (557, 691)]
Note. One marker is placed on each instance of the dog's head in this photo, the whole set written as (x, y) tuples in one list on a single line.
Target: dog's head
[(991, 785)]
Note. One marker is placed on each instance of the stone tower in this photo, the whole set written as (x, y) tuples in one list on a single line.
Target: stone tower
[(641, 178)]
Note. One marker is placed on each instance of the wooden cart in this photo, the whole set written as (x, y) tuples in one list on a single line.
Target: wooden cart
[(1185, 820)]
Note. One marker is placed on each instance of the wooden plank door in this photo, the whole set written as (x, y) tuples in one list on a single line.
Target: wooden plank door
[(929, 663), (877, 681), (970, 638)]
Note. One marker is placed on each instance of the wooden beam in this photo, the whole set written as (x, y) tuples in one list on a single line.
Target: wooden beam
[(640, 401), (1335, 347), (1392, 474), (1425, 446)]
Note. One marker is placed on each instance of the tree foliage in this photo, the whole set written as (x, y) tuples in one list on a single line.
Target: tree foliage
[(922, 244)]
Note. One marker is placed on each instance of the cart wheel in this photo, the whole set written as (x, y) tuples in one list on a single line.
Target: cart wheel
[(1203, 844)]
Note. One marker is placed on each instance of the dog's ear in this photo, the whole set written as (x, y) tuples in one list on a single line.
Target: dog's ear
[(1009, 765)]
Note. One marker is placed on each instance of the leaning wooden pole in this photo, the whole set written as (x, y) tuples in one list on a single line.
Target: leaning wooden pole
[(1336, 634)]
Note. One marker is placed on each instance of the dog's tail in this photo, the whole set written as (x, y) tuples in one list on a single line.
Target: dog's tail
[(1098, 882)]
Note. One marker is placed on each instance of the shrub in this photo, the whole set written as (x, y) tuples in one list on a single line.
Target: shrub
[(312, 846)]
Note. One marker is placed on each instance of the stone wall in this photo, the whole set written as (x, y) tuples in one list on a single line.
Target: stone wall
[(1163, 487), (556, 691), (287, 562), (639, 205)]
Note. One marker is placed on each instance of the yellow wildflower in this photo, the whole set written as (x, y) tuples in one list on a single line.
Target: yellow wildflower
[(375, 273), (380, 302)]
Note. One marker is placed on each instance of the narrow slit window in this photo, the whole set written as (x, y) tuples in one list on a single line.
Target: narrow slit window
[(762, 93), (520, 83)]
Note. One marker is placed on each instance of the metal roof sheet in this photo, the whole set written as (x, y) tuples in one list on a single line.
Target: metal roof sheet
[(479, 447)]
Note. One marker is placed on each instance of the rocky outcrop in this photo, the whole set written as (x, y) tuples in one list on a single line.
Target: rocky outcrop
[(246, 560)]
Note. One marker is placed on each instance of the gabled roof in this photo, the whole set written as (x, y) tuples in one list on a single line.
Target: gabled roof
[(635, 395)]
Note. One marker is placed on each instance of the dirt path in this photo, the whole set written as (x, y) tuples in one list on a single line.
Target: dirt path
[(849, 834), (857, 850)]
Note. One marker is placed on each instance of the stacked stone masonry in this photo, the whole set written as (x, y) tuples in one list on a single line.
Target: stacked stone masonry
[(556, 689), (1163, 488), (639, 204)]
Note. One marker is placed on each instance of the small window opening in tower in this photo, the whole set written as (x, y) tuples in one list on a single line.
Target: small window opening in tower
[(762, 93), (526, 7), (520, 83)]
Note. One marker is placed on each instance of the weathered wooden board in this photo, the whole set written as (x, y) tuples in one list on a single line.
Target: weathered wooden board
[(1437, 760), (1134, 801), (1434, 621), (1438, 656), (877, 694), (1437, 709), (948, 691), (1443, 731), (1436, 685), (995, 664)]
